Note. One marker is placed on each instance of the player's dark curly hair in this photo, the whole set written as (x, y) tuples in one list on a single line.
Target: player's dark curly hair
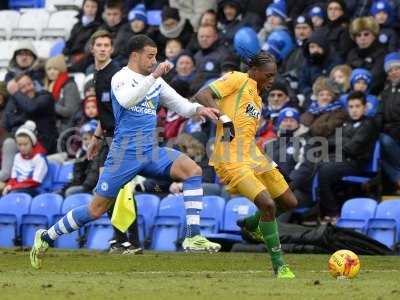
[(261, 58)]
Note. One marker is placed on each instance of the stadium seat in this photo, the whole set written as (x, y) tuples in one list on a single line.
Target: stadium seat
[(18, 4), (6, 53), (43, 48), (52, 173), (100, 232), (236, 208), (27, 28), (12, 207), (212, 215), (356, 213), (147, 206), (71, 240), (9, 19), (371, 169), (385, 226), (57, 47), (169, 224), (154, 17), (60, 24), (3, 73), (64, 176)]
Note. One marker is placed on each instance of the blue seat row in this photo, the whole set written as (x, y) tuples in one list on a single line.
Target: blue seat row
[(58, 175), (160, 221), (379, 221)]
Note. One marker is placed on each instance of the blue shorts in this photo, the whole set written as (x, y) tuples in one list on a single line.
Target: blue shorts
[(122, 166)]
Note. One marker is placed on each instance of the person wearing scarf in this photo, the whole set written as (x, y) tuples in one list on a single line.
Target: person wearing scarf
[(63, 89)]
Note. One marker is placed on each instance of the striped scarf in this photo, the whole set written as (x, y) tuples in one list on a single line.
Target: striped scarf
[(316, 109)]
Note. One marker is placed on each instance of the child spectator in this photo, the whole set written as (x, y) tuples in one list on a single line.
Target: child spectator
[(389, 120), (30, 166), (382, 12), (360, 81), (359, 135), (276, 19), (64, 90), (317, 16), (284, 150), (172, 49), (89, 109), (184, 67), (85, 172), (341, 75)]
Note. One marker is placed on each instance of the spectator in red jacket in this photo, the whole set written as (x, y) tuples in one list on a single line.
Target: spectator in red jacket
[(30, 166)]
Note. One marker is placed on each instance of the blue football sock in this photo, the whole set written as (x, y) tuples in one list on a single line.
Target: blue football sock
[(72, 221), (192, 195)]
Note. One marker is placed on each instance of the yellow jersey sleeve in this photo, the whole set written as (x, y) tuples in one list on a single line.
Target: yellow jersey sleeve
[(226, 85)]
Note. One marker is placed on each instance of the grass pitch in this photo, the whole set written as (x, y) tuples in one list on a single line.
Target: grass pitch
[(91, 275)]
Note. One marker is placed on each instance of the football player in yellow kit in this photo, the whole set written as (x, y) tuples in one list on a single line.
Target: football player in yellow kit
[(236, 158)]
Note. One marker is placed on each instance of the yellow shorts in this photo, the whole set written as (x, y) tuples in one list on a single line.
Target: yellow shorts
[(243, 180)]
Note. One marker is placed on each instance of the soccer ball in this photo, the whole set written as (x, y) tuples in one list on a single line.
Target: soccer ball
[(344, 264)]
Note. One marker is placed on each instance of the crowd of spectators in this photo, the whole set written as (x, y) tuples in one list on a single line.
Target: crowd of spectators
[(339, 71)]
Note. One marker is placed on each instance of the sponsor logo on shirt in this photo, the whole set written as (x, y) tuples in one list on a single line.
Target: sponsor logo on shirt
[(252, 111)]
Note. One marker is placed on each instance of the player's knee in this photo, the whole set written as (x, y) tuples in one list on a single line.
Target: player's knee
[(97, 209), (265, 204)]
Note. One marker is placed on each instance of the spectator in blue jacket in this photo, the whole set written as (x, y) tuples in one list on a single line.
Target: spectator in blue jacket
[(360, 81)]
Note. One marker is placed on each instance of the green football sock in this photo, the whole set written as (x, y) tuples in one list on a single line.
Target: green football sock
[(271, 239), (251, 222)]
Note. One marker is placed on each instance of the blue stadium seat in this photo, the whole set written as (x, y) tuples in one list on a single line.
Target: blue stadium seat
[(57, 48), (147, 206), (169, 224), (64, 176), (12, 207), (370, 170), (71, 240), (212, 215), (43, 209), (154, 17), (48, 182), (236, 208), (356, 212), (100, 232), (17, 4), (385, 226)]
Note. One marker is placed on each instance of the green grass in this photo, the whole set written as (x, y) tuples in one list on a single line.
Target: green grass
[(91, 275)]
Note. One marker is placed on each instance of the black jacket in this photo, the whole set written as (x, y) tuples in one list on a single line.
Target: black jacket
[(80, 35), (102, 80), (40, 109), (371, 59), (86, 174), (359, 139), (388, 115), (337, 33)]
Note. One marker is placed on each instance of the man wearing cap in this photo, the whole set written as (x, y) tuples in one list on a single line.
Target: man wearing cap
[(302, 31), (389, 120), (25, 60), (369, 53)]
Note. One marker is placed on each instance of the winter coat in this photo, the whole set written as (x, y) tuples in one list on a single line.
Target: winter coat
[(324, 125), (372, 59), (358, 140), (40, 109), (338, 36), (205, 59), (192, 10), (114, 31), (68, 104), (79, 37), (389, 38), (388, 116)]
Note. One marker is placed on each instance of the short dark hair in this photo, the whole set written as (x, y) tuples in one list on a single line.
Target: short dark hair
[(100, 34), (357, 96), (115, 4), (21, 75), (138, 42), (262, 58)]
